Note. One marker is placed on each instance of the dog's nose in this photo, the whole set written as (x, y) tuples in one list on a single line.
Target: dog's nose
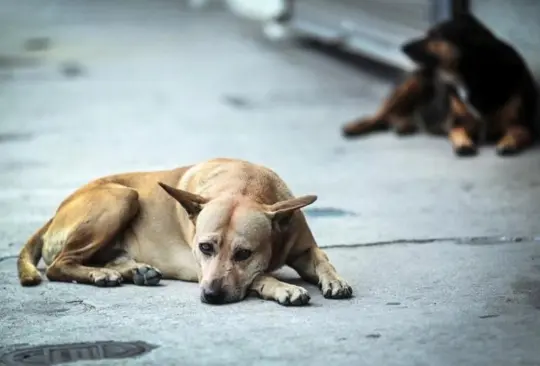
[(213, 296), (213, 293)]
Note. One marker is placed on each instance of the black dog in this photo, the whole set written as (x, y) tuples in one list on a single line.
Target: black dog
[(463, 54)]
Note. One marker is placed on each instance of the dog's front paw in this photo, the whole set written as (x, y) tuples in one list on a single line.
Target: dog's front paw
[(465, 150), (146, 275), (291, 295), (105, 277), (335, 288), (507, 149)]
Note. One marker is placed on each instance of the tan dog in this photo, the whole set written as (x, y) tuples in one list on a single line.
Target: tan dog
[(230, 224)]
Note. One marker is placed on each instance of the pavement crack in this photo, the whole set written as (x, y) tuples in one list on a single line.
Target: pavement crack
[(6, 257), (461, 240), (87, 306), (470, 240)]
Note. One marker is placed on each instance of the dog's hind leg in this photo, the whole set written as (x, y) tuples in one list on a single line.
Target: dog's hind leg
[(139, 273), (363, 126), (84, 225), (399, 108)]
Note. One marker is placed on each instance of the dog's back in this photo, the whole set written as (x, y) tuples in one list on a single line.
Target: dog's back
[(493, 71)]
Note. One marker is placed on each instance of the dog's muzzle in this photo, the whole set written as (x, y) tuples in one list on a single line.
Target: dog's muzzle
[(213, 293)]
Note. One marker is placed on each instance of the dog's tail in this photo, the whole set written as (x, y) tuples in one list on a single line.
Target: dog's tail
[(29, 258)]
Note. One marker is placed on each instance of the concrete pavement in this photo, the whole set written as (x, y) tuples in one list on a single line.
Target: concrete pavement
[(151, 85)]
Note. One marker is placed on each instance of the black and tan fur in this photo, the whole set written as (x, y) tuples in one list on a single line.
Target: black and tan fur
[(501, 101)]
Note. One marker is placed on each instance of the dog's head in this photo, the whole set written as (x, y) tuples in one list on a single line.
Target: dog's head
[(234, 239), (449, 44)]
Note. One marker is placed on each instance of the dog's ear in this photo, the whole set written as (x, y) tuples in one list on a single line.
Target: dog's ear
[(192, 203), (282, 212)]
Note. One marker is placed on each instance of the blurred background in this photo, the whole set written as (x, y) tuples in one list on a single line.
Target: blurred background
[(90, 88)]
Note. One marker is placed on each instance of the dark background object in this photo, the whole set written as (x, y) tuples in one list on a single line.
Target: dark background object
[(372, 28), (377, 28)]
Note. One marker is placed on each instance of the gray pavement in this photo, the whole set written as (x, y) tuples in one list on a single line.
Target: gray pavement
[(426, 239)]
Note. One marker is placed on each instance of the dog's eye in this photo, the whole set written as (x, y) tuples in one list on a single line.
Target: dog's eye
[(206, 248), (242, 254)]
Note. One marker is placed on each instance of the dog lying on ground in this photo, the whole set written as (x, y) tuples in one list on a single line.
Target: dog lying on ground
[(224, 223), (463, 54)]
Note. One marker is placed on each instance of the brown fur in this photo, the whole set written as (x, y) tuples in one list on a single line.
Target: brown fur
[(224, 223), (397, 111)]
